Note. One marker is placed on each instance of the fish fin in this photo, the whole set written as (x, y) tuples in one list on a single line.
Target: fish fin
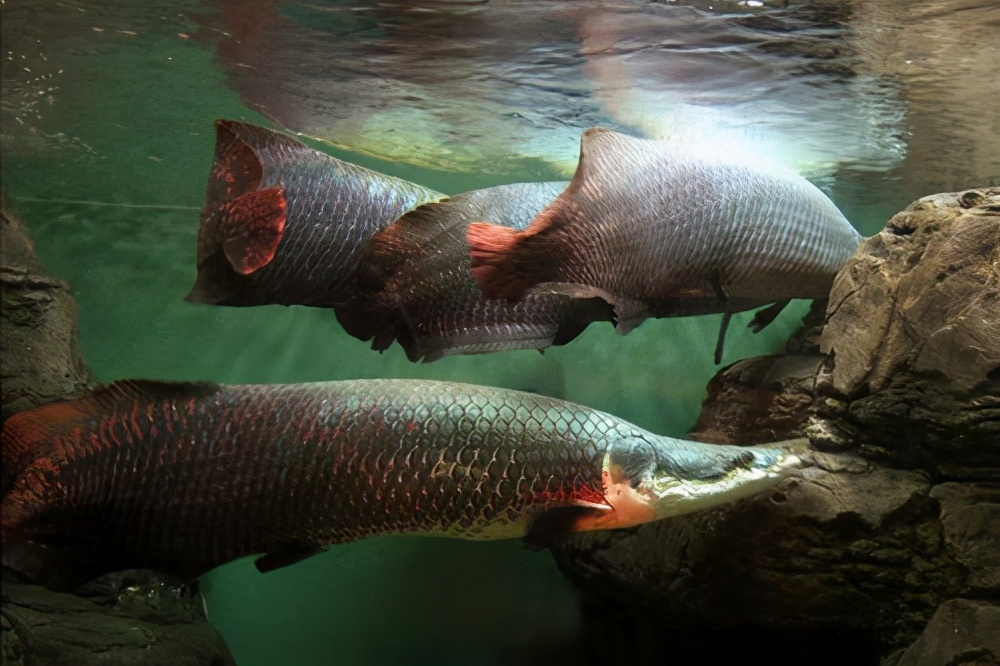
[(585, 311), (490, 248), (284, 557), (719, 288), (557, 522), (721, 342), (762, 318), (251, 226)]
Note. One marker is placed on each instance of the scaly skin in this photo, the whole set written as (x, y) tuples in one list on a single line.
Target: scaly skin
[(185, 477), (333, 208)]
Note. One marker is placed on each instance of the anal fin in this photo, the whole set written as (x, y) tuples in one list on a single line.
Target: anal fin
[(762, 318), (720, 344)]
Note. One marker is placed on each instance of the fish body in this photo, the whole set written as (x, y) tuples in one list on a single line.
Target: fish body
[(415, 285), (185, 477), (283, 223), (661, 229)]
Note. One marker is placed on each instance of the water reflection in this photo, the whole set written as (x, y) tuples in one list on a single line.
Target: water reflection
[(479, 87)]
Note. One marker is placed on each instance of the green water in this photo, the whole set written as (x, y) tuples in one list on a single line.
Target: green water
[(125, 121)]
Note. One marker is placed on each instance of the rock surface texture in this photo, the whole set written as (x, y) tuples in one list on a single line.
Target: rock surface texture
[(886, 549), (135, 618)]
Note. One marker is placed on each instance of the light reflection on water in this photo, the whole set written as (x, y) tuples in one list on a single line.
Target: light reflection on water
[(880, 101)]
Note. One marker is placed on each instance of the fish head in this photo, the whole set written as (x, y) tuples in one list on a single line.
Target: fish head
[(649, 478)]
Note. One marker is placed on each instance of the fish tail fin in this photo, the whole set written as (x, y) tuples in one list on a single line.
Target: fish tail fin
[(499, 264), (241, 225)]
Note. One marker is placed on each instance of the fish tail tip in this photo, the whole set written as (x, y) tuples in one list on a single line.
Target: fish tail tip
[(490, 251)]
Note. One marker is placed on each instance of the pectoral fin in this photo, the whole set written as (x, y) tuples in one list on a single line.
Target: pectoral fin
[(251, 226)]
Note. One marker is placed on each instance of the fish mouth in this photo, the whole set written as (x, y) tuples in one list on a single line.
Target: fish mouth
[(717, 477)]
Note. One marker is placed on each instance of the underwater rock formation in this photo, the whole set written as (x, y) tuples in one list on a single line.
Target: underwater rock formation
[(895, 529), (134, 617), (41, 359)]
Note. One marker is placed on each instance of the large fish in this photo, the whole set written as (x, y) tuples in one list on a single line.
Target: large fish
[(414, 283), (283, 223), (185, 477), (662, 229), (287, 224)]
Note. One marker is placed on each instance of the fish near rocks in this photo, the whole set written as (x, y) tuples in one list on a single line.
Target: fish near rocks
[(283, 223), (414, 283), (183, 477), (665, 229)]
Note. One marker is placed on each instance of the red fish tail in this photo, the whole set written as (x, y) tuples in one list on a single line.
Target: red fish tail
[(500, 265)]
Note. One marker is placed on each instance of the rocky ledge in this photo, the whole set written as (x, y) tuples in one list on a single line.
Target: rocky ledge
[(887, 549)]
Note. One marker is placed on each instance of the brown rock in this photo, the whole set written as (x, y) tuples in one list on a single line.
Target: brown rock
[(961, 632), (922, 296), (40, 360)]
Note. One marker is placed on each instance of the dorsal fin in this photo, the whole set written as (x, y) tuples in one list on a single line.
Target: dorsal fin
[(414, 231), (600, 151)]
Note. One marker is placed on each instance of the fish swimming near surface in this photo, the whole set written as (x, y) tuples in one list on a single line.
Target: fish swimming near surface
[(414, 283), (283, 223), (664, 229), (184, 477), (286, 224)]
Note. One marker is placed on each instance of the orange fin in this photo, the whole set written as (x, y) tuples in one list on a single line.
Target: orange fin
[(494, 262), (252, 226)]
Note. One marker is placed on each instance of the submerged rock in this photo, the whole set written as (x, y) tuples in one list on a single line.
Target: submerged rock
[(41, 359), (898, 519)]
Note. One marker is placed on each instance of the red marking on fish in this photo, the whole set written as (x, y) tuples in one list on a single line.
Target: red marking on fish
[(489, 246), (252, 226)]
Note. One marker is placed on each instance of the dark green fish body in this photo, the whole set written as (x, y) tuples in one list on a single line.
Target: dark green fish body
[(415, 284), (185, 477), (283, 223)]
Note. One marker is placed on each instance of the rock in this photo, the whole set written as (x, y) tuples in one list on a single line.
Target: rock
[(137, 618), (148, 621), (41, 360), (913, 337), (898, 516), (961, 632)]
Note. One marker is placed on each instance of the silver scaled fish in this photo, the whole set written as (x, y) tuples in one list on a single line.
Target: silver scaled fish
[(414, 283), (663, 229), (184, 477)]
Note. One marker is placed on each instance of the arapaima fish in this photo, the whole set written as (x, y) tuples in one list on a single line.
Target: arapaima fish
[(664, 229), (283, 223), (414, 283), (184, 477), (286, 224)]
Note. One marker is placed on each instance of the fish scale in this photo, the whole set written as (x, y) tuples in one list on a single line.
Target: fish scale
[(185, 477), (669, 228), (315, 265)]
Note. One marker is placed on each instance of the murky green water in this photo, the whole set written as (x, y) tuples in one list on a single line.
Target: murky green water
[(107, 138)]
